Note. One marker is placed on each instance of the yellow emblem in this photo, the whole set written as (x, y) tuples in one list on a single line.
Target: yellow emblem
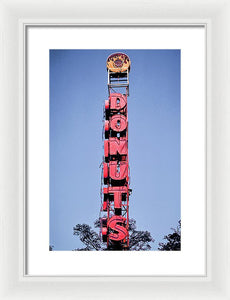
[(118, 62)]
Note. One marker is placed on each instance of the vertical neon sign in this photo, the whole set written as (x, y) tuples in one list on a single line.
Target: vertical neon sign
[(116, 191)]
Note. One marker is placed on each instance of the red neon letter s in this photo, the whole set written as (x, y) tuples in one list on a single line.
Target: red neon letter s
[(121, 231)]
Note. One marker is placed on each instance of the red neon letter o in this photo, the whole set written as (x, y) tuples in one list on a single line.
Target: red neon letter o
[(118, 123)]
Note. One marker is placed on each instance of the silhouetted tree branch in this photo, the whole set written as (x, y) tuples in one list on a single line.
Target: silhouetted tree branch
[(173, 240), (88, 237)]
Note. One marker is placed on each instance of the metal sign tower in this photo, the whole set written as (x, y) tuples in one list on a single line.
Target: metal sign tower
[(116, 191)]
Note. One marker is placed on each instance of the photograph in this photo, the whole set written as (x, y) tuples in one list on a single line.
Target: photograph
[(115, 150)]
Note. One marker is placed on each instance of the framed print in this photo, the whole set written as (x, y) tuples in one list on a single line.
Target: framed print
[(31, 280)]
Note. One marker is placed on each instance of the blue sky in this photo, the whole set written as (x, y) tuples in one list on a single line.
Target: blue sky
[(78, 89)]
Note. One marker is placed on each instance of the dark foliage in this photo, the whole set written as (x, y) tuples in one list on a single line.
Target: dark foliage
[(139, 240), (173, 240), (88, 237)]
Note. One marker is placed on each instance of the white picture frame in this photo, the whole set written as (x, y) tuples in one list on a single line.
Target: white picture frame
[(14, 284)]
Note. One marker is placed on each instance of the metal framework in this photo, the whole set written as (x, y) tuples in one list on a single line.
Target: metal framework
[(116, 175), (118, 81)]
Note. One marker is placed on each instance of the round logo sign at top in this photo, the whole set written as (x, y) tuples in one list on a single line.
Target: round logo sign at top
[(118, 62)]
